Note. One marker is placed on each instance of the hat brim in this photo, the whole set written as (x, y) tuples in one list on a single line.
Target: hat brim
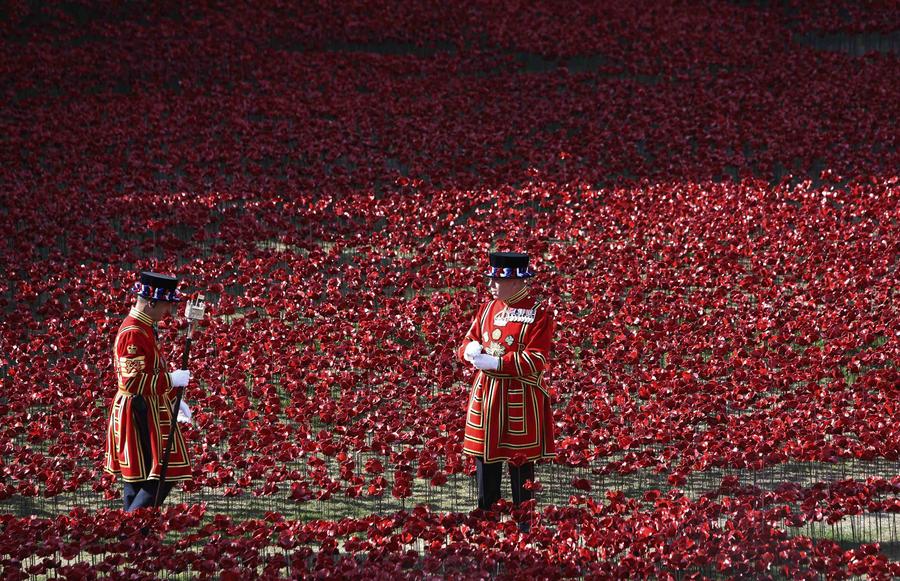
[(156, 294), (519, 275)]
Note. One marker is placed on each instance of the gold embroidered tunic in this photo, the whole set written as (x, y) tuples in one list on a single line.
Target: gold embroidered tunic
[(140, 418), (509, 409)]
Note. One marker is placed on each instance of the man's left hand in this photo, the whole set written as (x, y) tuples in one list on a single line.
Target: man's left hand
[(486, 362), (184, 413)]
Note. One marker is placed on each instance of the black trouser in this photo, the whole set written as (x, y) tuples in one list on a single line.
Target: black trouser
[(142, 493), (489, 475)]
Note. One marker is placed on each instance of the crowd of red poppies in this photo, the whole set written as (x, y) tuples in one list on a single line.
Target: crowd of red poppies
[(713, 211), (727, 532)]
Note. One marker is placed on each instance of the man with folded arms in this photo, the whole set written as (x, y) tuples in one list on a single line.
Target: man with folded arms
[(140, 419), (509, 416)]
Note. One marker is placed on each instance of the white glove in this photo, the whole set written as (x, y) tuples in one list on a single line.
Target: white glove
[(486, 362), (180, 378), (472, 349), (184, 413)]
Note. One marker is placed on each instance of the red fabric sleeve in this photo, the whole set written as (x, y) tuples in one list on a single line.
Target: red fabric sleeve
[(474, 334), (136, 362), (533, 358)]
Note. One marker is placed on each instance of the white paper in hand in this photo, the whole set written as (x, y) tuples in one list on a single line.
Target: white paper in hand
[(184, 413), (472, 349)]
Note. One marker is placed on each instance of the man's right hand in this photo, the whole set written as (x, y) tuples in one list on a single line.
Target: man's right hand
[(472, 349), (180, 378)]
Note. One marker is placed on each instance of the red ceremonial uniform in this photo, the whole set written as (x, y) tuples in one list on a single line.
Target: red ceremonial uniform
[(141, 371), (509, 409)]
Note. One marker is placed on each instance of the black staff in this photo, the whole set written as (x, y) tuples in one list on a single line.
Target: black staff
[(193, 311)]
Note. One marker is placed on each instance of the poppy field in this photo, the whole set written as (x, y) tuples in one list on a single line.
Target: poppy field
[(710, 196)]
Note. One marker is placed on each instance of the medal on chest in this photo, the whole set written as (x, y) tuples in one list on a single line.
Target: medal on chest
[(525, 316), (509, 320), (495, 348)]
